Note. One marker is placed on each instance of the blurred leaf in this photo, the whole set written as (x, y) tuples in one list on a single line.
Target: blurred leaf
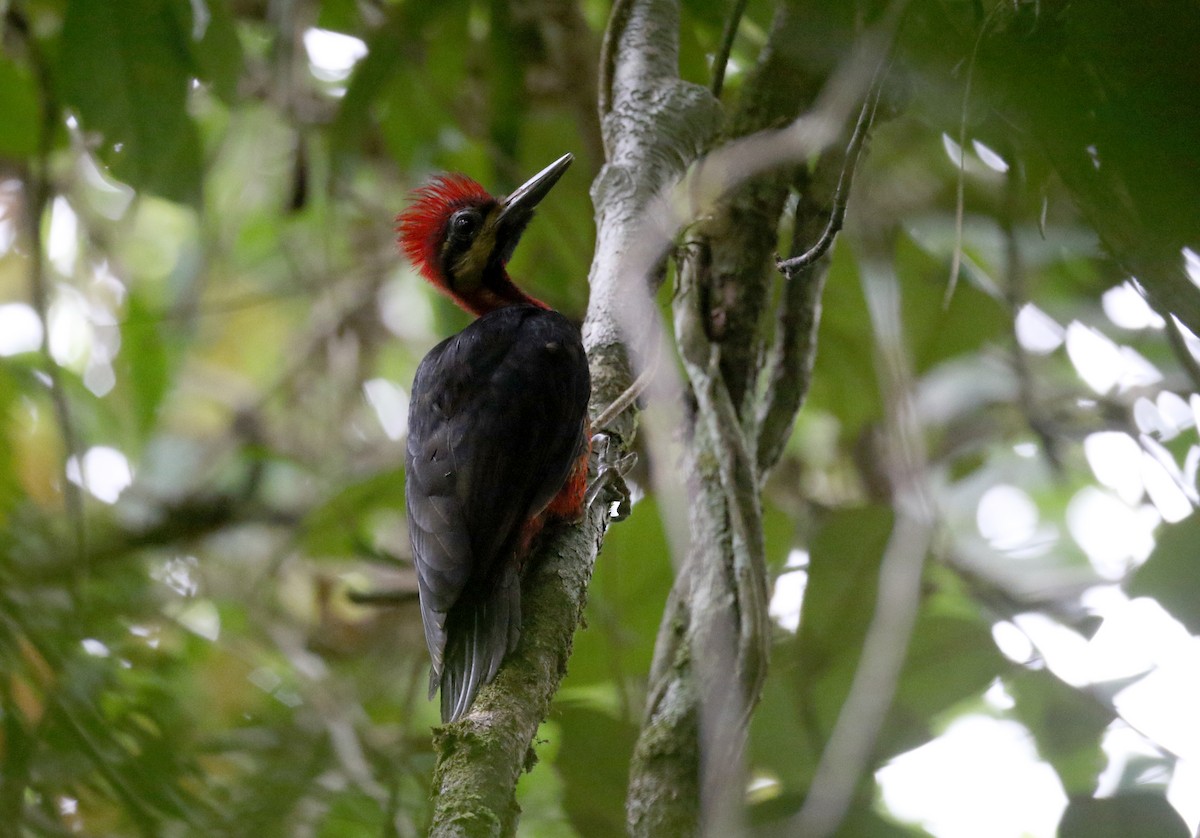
[(772, 819), (1066, 724), (126, 69), (935, 331), (144, 359), (10, 483), (779, 535), (813, 669), (1172, 573), (629, 589), (844, 381), (594, 764), (22, 109), (1123, 816), (352, 813), (781, 717), (386, 78), (863, 822), (927, 686), (842, 577), (1115, 112), (339, 16), (336, 526), (217, 53), (696, 44)]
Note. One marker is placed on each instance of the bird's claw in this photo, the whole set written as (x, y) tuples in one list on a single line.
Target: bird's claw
[(607, 475)]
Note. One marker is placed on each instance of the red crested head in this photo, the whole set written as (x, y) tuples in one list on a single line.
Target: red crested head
[(423, 226), (460, 238)]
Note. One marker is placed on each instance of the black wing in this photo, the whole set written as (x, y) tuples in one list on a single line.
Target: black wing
[(495, 424)]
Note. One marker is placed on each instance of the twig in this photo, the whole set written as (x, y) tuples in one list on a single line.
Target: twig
[(630, 395), (841, 196), (787, 369), (721, 59), (960, 185), (1183, 353), (788, 365), (1016, 297)]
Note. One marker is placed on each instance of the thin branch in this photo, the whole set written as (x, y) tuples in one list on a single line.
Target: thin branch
[(721, 58), (627, 398), (37, 196), (739, 479), (706, 668), (1179, 346), (960, 184), (1016, 297), (788, 366), (841, 196), (728, 633)]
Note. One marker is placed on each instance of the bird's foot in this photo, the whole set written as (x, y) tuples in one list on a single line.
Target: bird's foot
[(606, 475)]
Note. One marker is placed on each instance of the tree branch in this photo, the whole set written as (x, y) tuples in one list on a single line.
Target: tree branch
[(788, 367), (721, 58), (712, 651), (652, 124), (841, 195), (481, 757), (37, 188)]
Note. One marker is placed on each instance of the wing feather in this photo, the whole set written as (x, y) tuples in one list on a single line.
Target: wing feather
[(496, 422)]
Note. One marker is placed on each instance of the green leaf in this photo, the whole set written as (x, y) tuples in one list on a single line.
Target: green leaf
[(144, 357), (340, 16), (22, 111), (811, 675), (10, 486), (772, 819), (1124, 816), (125, 68), (843, 571), (217, 53), (844, 381), (812, 671), (780, 717), (1172, 573), (928, 686), (1067, 726), (352, 812), (387, 79), (625, 602), (935, 331), (594, 764), (336, 527)]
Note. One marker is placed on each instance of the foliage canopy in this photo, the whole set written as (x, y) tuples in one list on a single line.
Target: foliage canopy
[(208, 335)]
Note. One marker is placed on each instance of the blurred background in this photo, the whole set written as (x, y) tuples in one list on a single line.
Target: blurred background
[(207, 338)]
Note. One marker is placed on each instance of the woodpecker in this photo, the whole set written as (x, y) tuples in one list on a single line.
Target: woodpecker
[(498, 438)]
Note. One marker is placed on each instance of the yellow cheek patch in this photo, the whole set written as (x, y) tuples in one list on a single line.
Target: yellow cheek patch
[(469, 267)]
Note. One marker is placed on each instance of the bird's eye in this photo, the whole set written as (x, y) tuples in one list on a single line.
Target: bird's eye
[(463, 223)]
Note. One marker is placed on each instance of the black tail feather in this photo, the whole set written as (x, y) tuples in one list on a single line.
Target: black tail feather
[(479, 639)]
